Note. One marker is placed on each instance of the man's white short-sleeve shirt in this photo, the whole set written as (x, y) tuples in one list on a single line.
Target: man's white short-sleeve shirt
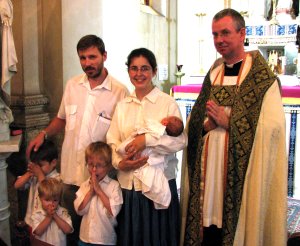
[(88, 113)]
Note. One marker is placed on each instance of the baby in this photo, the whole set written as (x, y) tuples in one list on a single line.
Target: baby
[(155, 185), (99, 199), (51, 222), (173, 124)]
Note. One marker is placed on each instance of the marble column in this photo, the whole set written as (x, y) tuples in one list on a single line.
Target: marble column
[(6, 148), (27, 101)]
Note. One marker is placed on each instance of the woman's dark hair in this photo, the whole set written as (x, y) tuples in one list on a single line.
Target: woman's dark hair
[(89, 41), (148, 54)]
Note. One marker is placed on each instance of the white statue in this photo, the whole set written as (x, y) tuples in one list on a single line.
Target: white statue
[(5, 113), (284, 5), (8, 61)]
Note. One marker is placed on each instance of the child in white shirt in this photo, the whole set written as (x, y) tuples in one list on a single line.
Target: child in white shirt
[(155, 185), (42, 164), (51, 222), (99, 199)]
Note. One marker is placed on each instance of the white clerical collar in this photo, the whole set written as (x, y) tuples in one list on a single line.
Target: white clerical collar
[(231, 65)]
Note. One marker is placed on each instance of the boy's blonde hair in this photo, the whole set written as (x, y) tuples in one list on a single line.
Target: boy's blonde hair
[(50, 188), (101, 149)]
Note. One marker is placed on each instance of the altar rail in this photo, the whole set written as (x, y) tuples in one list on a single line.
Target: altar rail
[(185, 96)]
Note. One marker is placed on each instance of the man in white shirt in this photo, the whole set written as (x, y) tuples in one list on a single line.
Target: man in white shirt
[(85, 113)]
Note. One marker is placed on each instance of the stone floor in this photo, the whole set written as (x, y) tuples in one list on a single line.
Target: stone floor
[(13, 200), (17, 210), (17, 199)]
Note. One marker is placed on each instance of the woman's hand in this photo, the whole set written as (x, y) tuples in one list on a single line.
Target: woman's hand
[(136, 145), (217, 114), (128, 163)]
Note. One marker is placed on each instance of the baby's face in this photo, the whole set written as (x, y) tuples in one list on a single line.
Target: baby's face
[(165, 121), (174, 125)]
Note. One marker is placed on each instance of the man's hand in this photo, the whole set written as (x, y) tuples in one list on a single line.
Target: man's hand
[(217, 114), (209, 125), (56, 126), (35, 144)]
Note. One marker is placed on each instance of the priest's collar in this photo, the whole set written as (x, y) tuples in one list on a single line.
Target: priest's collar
[(232, 69)]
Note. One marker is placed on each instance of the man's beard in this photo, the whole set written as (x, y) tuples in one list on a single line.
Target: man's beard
[(98, 72)]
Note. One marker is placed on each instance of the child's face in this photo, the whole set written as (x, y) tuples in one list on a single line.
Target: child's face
[(46, 166), (98, 166), (48, 203)]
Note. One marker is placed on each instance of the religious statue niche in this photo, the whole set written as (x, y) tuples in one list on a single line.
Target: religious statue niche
[(275, 8), (276, 60), (154, 7)]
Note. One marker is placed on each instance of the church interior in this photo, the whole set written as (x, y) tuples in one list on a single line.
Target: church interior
[(44, 34)]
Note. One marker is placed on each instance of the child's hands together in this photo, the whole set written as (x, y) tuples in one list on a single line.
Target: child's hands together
[(34, 169), (92, 181), (50, 210)]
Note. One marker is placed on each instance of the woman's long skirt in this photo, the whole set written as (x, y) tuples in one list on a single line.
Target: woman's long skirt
[(140, 224)]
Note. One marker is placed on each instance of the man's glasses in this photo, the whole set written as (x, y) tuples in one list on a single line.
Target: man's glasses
[(143, 69)]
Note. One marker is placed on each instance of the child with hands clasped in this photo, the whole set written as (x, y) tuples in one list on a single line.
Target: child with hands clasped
[(42, 164), (99, 199), (51, 222)]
